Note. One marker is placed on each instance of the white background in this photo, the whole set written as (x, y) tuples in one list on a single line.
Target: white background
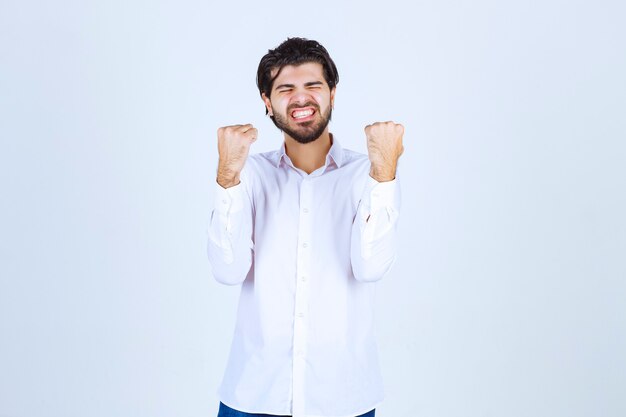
[(508, 297)]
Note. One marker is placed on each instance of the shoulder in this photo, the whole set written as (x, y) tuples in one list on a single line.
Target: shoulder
[(355, 169), (259, 165), (355, 160), (263, 160)]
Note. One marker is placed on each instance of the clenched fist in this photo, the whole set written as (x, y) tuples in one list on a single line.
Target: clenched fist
[(233, 145), (384, 146)]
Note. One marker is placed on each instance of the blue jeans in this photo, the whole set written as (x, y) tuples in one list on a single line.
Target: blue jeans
[(226, 411)]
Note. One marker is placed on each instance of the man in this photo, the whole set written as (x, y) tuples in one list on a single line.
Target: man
[(306, 230)]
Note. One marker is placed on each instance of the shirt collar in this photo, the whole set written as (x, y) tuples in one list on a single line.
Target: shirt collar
[(335, 153)]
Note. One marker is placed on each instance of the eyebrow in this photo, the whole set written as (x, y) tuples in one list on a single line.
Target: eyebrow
[(309, 84)]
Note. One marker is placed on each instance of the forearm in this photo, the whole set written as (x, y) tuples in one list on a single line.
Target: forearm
[(373, 259), (374, 232), (229, 243), (230, 258)]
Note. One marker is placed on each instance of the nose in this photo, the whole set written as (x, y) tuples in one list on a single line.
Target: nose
[(300, 97)]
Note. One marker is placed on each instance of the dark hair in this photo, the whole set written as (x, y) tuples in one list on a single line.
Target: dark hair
[(294, 51)]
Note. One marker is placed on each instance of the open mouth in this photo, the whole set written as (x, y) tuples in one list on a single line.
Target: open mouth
[(303, 114)]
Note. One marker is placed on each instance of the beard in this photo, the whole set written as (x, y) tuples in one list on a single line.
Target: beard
[(304, 132)]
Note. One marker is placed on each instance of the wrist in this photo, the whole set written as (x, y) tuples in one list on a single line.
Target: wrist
[(227, 178), (383, 173), (227, 183)]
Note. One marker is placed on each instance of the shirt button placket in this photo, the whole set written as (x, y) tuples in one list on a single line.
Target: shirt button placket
[(302, 295)]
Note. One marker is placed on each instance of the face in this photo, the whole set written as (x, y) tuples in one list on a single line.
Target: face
[(301, 101)]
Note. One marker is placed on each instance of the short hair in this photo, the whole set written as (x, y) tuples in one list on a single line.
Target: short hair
[(294, 51)]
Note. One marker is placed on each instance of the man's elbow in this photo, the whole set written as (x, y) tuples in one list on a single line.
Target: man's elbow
[(230, 274), (372, 270), (230, 280), (226, 270)]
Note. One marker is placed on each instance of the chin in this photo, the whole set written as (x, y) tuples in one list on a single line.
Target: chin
[(304, 132)]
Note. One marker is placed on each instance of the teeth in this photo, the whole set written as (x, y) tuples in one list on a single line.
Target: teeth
[(299, 114)]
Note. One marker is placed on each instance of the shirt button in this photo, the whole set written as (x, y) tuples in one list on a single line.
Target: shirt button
[(225, 201), (305, 210), (302, 278), (305, 245), (301, 314)]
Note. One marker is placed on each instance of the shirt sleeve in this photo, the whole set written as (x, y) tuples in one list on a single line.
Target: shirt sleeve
[(373, 248), (230, 245)]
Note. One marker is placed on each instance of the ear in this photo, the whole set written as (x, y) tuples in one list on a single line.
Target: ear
[(268, 104), (332, 97)]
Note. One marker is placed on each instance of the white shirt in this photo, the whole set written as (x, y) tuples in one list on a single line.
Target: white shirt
[(307, 257)]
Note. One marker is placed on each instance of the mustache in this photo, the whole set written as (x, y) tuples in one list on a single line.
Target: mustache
[(299, 106)]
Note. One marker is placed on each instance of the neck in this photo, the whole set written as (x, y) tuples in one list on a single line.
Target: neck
[(308, 156)]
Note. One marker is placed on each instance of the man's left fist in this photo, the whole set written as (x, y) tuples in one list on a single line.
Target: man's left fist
[(384, 146)]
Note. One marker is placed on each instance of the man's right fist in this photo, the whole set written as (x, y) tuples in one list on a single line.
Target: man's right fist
[(233, 145)]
